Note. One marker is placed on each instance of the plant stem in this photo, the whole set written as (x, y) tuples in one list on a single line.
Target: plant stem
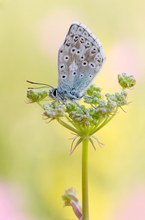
[(85, 204)]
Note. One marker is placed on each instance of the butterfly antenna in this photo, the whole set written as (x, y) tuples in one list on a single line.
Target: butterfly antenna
[(37, 83)]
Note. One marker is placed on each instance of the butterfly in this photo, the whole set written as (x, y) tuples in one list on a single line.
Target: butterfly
[(80, 58)]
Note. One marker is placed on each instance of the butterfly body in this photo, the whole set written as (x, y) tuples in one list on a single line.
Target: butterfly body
[(80, 58)]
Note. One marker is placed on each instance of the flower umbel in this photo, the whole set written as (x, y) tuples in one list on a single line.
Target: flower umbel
[(126, 81), (83, 118)]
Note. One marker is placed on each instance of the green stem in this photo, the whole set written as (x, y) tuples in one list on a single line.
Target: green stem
[(67, 125), (85, 203)]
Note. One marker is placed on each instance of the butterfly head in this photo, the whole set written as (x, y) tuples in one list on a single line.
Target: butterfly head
[(57, 94), (63, 95), (54, 93)]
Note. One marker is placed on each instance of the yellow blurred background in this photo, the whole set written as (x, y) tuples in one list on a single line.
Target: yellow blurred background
[(35, 166)]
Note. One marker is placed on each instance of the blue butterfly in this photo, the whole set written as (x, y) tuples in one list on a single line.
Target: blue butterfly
[(80, 58)]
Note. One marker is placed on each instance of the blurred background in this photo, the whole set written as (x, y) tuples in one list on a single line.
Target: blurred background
[(35, 166)]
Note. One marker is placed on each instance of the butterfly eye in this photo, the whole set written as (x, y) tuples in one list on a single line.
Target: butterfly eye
[(62, 67), (63, 76), (90, 76), (84, 63), (73, 50), (82, 39), (76, 37), (66, 58), (92, 65)]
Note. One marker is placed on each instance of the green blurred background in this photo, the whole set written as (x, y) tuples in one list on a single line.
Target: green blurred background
[(35, 166)]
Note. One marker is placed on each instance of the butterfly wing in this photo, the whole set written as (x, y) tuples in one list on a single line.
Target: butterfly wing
[(79, 60)]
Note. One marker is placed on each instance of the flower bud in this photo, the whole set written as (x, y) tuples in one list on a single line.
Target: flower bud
[(125, 81)]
